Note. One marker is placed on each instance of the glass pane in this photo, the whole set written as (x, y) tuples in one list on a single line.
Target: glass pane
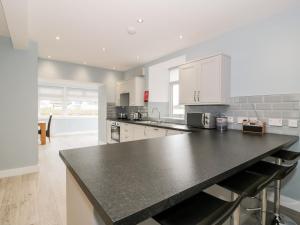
[(51, 91), (177, 109), (174, 75), (48, 107), (82, 108)]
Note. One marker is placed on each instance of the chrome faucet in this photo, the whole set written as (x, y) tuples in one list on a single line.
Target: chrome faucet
[(155, 108)]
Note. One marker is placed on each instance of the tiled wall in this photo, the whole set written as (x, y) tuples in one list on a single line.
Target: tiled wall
[(264, 107), (113, 110)]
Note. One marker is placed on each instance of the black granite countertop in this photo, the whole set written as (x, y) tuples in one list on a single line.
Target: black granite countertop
[(130, 182), (165, 125)]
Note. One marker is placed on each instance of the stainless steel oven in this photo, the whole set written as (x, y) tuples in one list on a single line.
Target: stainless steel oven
[(115, 131)]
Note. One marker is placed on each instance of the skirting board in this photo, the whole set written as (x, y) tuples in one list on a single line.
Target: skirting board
[(287, 202), (19, 171)]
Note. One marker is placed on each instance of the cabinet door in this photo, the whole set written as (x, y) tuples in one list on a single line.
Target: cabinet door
[(210, 80), (153, 132), (126, 132), (188, 76), (139, 132)]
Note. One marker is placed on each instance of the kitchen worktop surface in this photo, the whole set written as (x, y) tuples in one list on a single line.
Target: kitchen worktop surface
[(166, 125), (130, 182)]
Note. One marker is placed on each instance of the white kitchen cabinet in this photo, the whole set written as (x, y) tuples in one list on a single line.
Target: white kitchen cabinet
[(139, 132), (135, 87), (205, 81), (154, 132), (126, 132)]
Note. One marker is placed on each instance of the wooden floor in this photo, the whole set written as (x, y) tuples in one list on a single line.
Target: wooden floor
[(40, 198)]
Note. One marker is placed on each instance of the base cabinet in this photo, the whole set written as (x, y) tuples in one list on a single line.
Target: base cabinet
[(133, 132)]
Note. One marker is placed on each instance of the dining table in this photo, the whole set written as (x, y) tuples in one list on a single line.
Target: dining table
[(42, 126)]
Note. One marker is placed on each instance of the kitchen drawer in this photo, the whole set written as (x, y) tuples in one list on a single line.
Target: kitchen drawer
[(153, 132)]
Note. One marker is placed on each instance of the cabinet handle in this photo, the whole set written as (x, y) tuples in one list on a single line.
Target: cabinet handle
[(198, 96), (194, 96)]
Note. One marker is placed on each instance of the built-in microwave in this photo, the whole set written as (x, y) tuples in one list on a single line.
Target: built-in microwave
[(201, 120)]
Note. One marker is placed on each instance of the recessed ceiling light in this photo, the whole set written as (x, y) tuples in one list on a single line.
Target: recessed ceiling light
[(57, 37), (49, 56), (104, 49), (131, 30), (140, 20), (180, 36)]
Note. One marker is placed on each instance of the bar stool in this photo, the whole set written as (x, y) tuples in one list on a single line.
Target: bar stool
[(268, 169), (238, 184), (290, 157), (205, 209), (201, 209)]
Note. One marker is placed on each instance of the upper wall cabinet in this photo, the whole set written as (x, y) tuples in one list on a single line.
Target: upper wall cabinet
[(130, 92), (205, 81)]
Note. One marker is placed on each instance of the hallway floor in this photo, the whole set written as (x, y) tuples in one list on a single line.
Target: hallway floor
[(39, 198)]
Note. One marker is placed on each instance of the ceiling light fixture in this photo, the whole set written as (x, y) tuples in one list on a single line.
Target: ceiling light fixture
[(131, 30), (180, 36), (103, 49), (57, 37), (49, 56), (114, 68), (138, 58), (140, 20), (84, 63)]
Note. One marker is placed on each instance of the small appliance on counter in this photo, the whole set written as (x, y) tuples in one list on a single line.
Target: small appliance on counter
[(201, 120), (254, 127), (122, 115), (222, 123), (136, 116)]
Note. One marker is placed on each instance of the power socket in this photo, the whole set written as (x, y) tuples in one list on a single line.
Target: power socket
[(230, 119), (293, 123), (275, 122)]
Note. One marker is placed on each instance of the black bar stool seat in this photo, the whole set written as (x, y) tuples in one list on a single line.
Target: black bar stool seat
[(201, 209), (270, 169), (287, 155), (247, 183)]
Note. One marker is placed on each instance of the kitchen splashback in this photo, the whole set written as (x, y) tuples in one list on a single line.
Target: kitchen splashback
[(263, 107)]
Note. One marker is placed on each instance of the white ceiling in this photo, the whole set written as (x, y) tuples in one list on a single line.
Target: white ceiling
[(86, 26)]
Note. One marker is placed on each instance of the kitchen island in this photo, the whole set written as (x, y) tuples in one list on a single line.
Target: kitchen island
[(127, 183)]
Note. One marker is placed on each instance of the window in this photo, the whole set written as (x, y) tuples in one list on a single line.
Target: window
[(63, 100), (176, 110)]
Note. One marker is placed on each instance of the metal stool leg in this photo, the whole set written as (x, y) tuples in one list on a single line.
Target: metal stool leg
[(278, 219), (264, 201), (235, 219)]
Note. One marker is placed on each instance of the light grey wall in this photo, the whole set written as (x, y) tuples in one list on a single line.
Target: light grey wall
[(54, 70), (18, 106), (264, 55)]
